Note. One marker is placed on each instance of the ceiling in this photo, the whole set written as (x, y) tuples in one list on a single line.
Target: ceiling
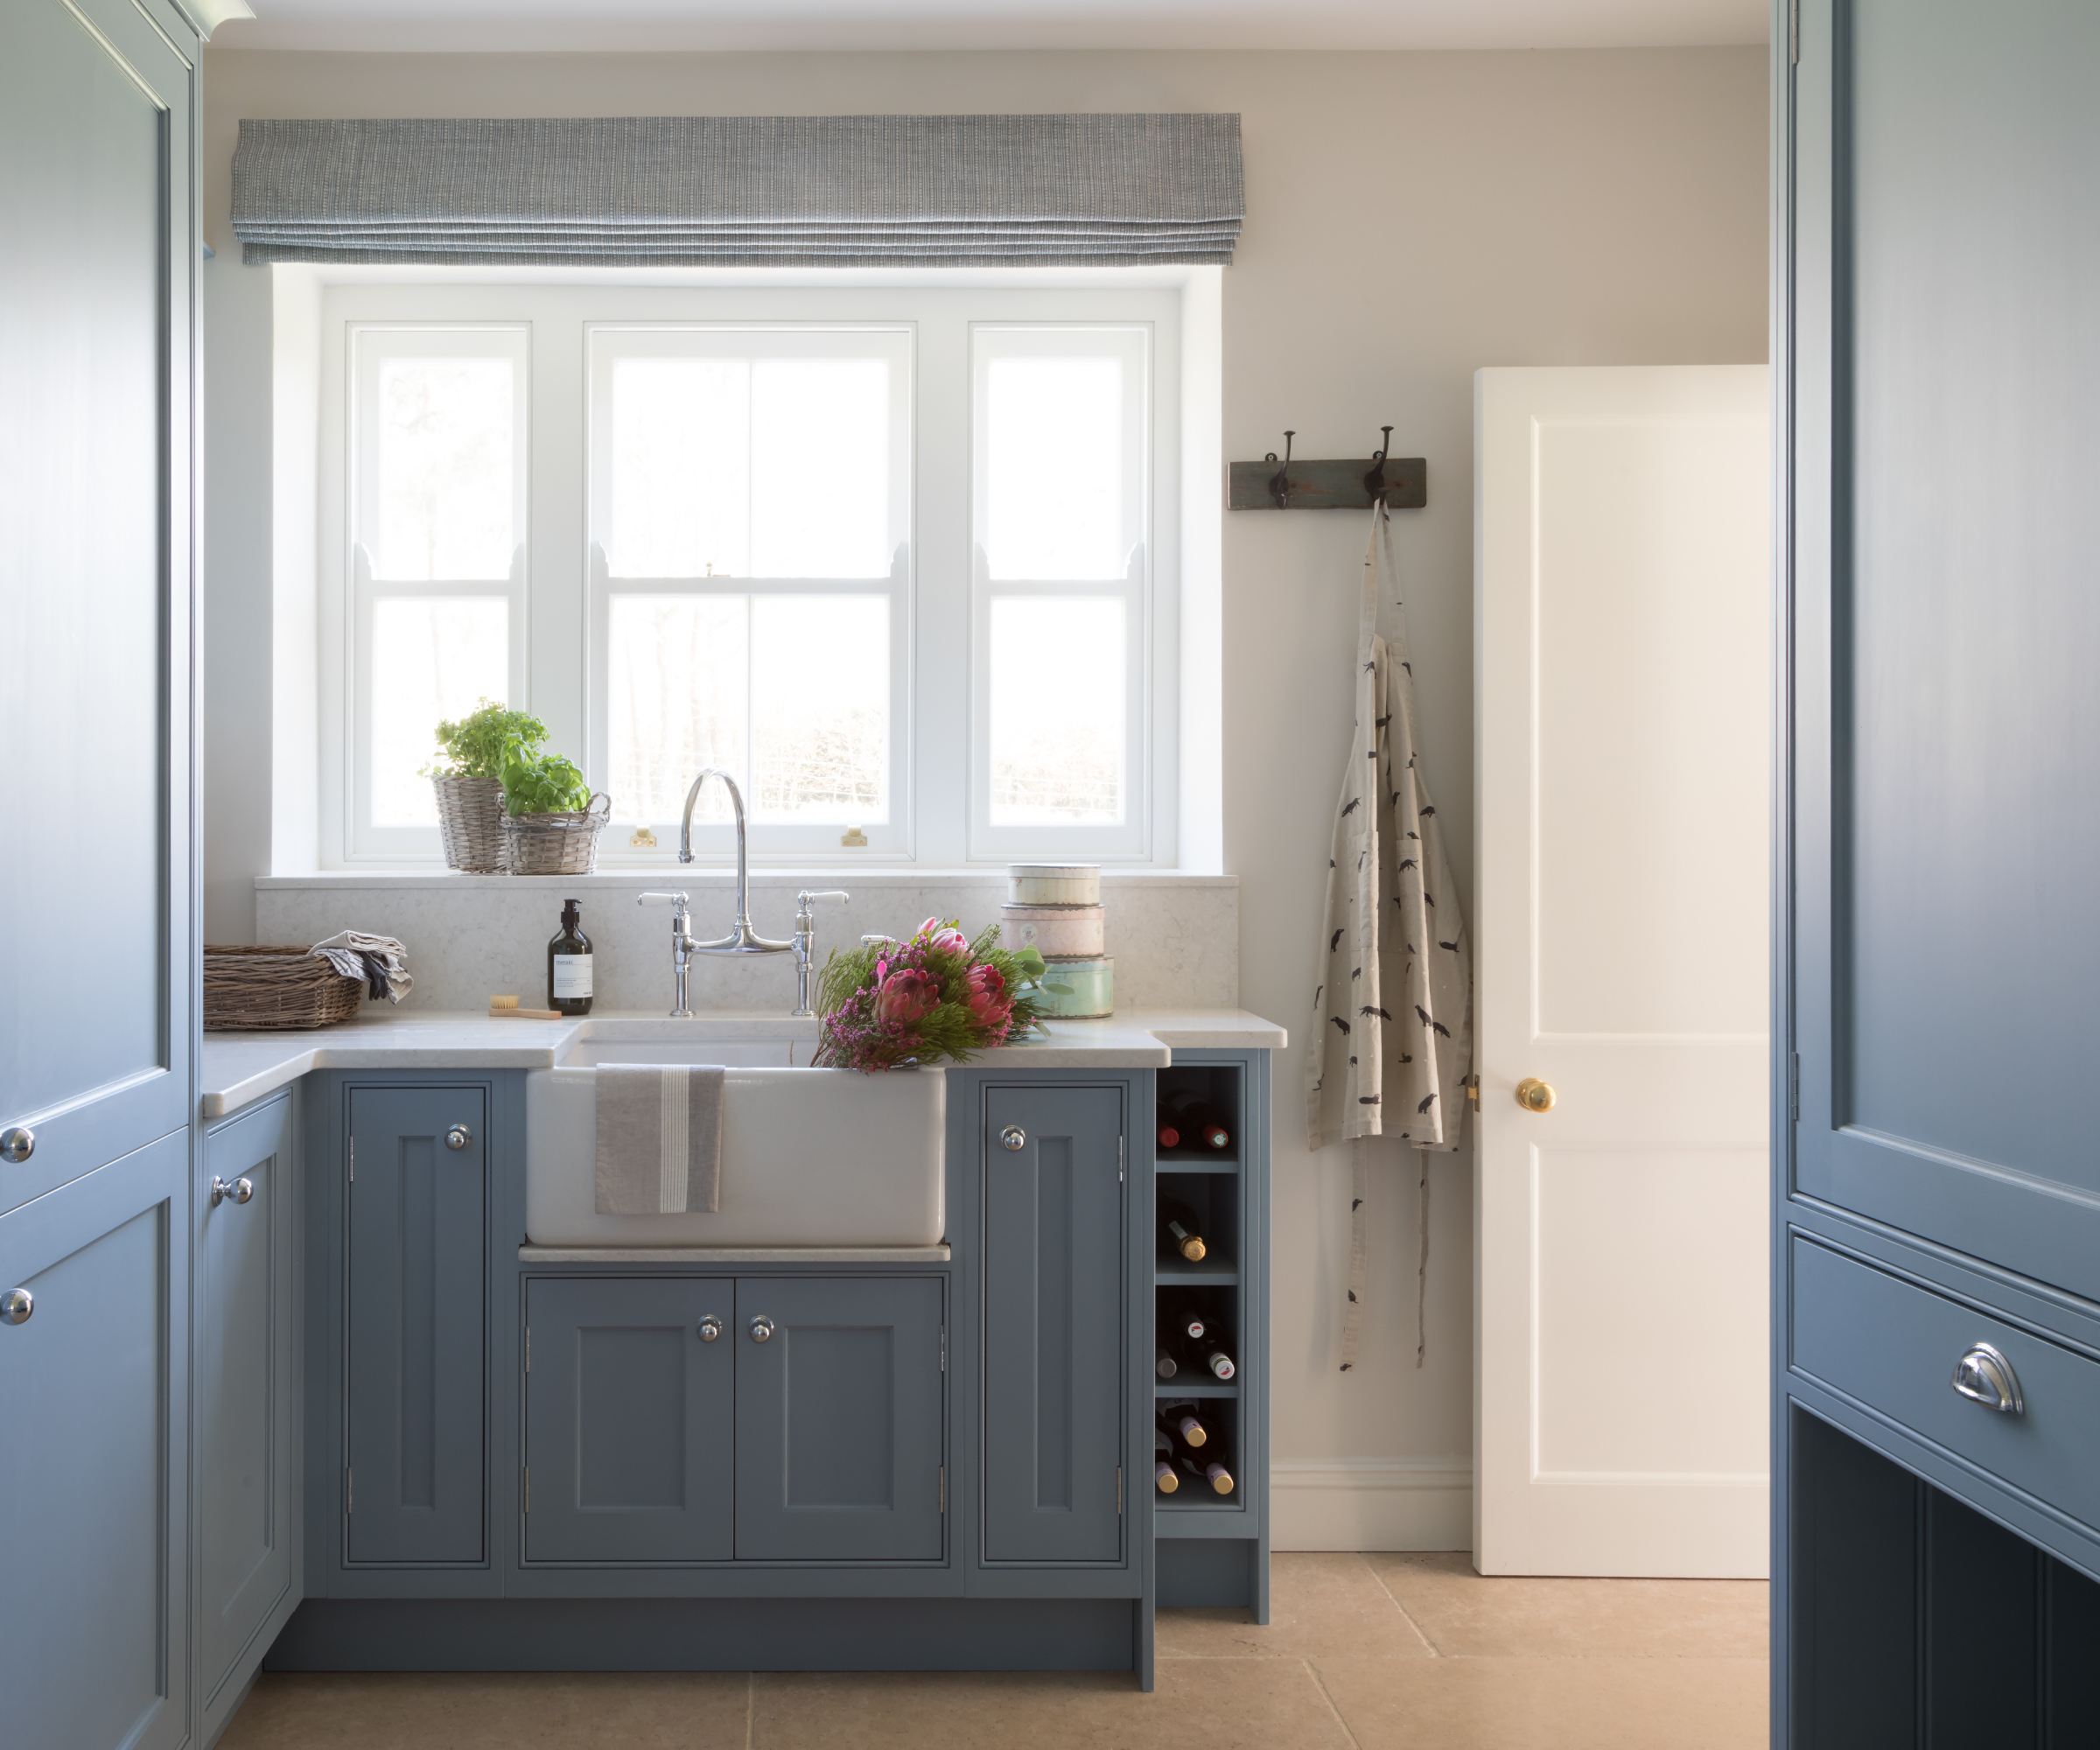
[(610, 25)]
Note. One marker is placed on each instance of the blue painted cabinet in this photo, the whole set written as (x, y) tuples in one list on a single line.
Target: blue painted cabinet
[(246, 1477), (1054, 1334), (839, 1419), (630, 1387), (414, 1314), (93, 1389)]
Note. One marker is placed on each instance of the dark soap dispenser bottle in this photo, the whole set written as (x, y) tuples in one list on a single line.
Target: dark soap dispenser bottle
[(568, 965)]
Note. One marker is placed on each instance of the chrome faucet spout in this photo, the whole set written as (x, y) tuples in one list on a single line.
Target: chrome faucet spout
[(741, 939)]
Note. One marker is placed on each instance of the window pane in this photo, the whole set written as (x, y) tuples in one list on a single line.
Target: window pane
[(737, 468), (820, 688), (820, 468), (1058, 665), (675, 701), (1054, 470), (447, 470), (681, 469), (431, 661)]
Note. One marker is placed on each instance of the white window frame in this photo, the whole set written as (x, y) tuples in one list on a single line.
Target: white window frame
[(368, 344), (1130, 343), (555, 621), (607, 342)]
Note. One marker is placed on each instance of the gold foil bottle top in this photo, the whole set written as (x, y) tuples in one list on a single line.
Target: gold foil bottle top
[(1220, 1479), (1193, 1431), (1163, 1474), (1193, 1248)]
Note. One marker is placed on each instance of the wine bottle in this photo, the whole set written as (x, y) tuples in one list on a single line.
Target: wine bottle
[(1186, 1122), (1213, 1355), (1181, 1316), (568, 965), (1211, 1473), (1164, 1476), (1180, 1231), (1164, 1362), (1182, 1423)]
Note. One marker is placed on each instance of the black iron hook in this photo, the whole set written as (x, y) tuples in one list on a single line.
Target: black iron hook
[(1280, 483), (1373, 482)]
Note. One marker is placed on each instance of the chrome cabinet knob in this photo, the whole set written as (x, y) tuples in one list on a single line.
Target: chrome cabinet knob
[(710, 1328), (1535, 1095), (239, 1189), (1014, 1137), (761, 1329), (458, 1136), (1985, 1376), (18, 1145), (16, 1305)]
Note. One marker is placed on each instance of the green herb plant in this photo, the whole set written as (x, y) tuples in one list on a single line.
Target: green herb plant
[(542, 784), (478, 745)]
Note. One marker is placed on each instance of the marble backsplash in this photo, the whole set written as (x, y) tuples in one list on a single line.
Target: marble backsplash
[(1175, 938)]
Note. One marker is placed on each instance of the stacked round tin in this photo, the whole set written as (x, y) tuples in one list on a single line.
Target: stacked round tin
[(1055, 908)]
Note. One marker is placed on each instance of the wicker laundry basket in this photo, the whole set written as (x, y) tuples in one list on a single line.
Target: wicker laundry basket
[(470, 822), (260, 990), (562, 844)]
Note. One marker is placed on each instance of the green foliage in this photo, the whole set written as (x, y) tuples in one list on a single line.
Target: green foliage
[(477, 746), (542, 784)]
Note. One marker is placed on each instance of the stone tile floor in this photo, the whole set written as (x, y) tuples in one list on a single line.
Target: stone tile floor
[(1364, 1652)]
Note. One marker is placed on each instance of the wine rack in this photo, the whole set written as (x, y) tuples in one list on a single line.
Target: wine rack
[(1212, 1548)]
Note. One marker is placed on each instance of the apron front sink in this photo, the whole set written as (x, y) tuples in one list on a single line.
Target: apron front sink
[(809, 1156)]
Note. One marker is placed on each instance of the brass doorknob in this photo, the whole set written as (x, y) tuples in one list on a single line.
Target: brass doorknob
[(1535, 1095)]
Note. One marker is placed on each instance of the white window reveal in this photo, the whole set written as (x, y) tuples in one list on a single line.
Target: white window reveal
[(900, 560)]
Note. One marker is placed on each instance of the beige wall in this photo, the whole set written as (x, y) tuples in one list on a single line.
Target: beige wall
[(1410, 218)]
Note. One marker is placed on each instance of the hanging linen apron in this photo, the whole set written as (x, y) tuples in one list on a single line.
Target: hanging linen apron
[(1394, 1007)]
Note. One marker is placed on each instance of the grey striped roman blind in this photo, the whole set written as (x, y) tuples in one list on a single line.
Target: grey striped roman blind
[(756, 191)]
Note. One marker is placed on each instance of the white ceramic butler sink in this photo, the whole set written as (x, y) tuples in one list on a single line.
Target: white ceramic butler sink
[(809, 1156)]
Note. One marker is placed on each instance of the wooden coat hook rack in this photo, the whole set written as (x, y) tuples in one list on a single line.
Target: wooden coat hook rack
[(1402, 482)]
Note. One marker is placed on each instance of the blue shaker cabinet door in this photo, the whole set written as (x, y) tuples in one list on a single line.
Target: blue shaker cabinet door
[(245, 1505), (629, 1405), (416, 1415), (92, 1655), (839, 1419), (1053, 1330)]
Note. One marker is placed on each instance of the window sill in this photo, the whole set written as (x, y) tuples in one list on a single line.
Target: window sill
[(718, 874)]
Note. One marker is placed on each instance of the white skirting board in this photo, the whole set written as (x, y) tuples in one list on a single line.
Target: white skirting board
[(1371, 1504)]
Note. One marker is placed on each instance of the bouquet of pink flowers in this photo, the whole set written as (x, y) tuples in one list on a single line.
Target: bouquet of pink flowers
[(939, 995)]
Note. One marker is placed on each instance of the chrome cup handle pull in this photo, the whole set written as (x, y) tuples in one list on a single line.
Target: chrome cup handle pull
[(1985, 1376), (239, 1189)]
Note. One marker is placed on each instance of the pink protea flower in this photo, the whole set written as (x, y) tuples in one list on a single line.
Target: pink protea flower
[(987, 997), (907, 995), (945, 937)]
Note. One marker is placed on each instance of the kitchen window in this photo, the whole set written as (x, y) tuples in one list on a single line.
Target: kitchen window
[(901, 562)]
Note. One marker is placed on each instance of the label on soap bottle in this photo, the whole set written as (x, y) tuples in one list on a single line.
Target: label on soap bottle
[(571, 977)]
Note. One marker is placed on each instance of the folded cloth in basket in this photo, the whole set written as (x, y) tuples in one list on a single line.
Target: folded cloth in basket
[(381, 960), (659, 1139)]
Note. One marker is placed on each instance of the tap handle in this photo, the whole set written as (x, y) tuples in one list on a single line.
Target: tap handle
[(677, 902), (805, 916)]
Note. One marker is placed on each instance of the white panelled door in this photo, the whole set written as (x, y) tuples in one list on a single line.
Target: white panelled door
[(1622, 632)]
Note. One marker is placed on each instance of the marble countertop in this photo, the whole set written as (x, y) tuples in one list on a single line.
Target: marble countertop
[(239, 1067)]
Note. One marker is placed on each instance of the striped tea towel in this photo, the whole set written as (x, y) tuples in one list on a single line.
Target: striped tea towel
[(659, 1139)]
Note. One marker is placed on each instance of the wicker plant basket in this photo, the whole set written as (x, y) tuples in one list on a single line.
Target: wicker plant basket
[(563, 843), (470, 822), (255, 989)]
